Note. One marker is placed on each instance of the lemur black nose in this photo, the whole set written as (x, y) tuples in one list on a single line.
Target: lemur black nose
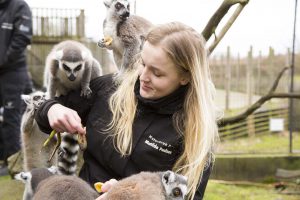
[(72, 77), (125, 15)]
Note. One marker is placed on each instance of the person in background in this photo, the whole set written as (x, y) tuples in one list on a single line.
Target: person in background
[(15, 35), (158, 116)]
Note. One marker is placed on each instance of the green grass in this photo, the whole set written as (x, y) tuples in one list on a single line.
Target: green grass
[(10, 189), (268, 143), (13, 190), (218, 191)]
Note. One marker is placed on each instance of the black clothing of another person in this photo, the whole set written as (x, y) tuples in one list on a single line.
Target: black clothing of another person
[(156, 144), (15, 35)]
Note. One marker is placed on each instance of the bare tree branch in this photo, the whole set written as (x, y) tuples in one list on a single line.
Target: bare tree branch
[(226, 27), (214, 21), (259, 102)]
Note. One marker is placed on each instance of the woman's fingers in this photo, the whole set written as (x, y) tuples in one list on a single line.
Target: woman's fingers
[(63, 119), (108, 185)]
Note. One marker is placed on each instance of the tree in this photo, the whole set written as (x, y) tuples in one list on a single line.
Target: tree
[(210, 30)]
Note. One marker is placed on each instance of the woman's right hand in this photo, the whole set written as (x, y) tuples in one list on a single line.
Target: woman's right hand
[(63, 119)]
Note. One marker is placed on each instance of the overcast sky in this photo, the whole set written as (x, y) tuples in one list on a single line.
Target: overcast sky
[(262, 23)]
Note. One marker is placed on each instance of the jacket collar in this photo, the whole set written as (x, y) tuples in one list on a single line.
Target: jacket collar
[(165, 105)]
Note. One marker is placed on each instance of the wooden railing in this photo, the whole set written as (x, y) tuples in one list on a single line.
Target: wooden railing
[(52, 24), (258, 123)]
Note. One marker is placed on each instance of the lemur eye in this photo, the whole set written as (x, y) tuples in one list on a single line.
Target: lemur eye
[(66, 67), (78, 67), (177, 192), (35, 98), (118, 5)]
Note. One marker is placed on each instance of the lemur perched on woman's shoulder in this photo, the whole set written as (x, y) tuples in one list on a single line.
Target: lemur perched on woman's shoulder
[(123, 33)]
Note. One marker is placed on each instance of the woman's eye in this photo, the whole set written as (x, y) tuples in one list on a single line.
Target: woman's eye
[(157, 74)]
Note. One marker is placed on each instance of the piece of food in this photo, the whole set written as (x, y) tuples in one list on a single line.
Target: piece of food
[(98, 186)]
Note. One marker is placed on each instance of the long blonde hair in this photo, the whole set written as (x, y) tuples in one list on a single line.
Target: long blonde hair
[(197, 121)]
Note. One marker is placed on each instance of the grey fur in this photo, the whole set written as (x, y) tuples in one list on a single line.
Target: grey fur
[(127, 32), (62, 187), (150, 186), (31, 137), (60, 81)]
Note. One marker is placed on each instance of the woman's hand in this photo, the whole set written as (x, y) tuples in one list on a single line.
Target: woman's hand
[(106, 187), (63, 119)]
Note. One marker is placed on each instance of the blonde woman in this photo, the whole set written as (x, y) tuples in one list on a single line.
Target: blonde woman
[(160, 116)]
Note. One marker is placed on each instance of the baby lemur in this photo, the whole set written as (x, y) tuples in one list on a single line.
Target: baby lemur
[(69, 66), (123, 33)]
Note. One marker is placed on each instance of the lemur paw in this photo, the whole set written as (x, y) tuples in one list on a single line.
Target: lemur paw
[(105, 42), (86, 92)]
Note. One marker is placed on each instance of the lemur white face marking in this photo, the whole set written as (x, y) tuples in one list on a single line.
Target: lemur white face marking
[(118, 8), (175, 185), (71, 69)]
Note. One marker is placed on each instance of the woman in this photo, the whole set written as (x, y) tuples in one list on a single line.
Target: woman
[(161, 116)]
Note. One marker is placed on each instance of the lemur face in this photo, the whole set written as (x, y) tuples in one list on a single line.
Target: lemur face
[(35, 99), (175, 185), (71, 63), (71, 69), (119, 8)]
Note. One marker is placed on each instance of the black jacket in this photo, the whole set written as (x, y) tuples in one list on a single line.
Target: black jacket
[(15, 34), (156, 144)]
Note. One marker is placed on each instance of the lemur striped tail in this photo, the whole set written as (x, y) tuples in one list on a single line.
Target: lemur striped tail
[(68, 154)]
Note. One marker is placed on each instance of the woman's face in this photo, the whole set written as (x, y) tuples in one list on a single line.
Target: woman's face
[(159, 76)]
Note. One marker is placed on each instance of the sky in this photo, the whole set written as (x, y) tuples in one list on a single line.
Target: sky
[(262, 23)]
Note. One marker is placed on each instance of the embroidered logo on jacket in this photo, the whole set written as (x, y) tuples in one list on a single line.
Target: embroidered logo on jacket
[(158, 145)]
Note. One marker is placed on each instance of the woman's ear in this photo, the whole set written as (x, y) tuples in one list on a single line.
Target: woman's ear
[(185, 79)]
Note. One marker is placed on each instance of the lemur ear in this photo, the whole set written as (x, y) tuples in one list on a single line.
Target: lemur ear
[(168, 176), (84, 55), (107, 3), (59, 54), (26, 98)]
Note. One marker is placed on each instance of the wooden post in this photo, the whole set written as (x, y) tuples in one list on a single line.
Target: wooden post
[(258, 82), (237, 74), (271, 63), (81, 24), (249, 76), (288, 58), (251, 125), (227, 79)]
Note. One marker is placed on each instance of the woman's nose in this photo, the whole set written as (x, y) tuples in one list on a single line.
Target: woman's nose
[(144, 76)]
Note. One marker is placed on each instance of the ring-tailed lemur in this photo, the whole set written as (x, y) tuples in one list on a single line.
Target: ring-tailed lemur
[(31, 137), (123, 33), (151, 186), (69, 66), (32, 178)]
